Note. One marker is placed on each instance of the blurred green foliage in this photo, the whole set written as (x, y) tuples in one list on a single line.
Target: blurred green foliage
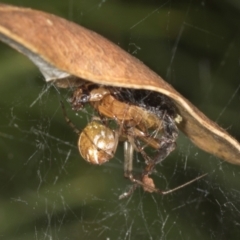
[(48, 192)]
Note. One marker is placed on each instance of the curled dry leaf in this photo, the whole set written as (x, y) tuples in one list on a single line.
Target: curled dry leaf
[(66, 51)]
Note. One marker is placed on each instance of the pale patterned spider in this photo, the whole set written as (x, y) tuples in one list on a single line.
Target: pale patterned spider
[(144, 119)]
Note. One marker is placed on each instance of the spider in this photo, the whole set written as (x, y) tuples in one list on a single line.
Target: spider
[(143, 119)]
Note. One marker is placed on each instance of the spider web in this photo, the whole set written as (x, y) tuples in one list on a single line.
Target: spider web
[(48, 192)]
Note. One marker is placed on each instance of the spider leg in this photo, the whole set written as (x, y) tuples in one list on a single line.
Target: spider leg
[(69, 122), (146, 182), (128, 167), (166, 145), (148, 186), (183, 185), (128, 159)]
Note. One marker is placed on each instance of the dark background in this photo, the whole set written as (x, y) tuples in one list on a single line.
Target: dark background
[(48, 192)]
